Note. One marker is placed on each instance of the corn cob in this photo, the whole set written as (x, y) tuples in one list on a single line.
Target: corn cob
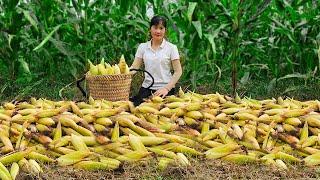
[(133, 156), (194, 114), (6, 141), (147, 109), (42, 128), (46, 121), (136, 143), (35, 167), (182, 159), (104, 121), (4, 117), (14, 170), (161, 152), (14, 157), (286, 157), (72, 157), (164, 162), (48, 113), (115, 132), (78, 143), (304, 132), (280, 164), (25, 112), (39, 157), (293, 121), (187, 150), (94, 165), (313, 120), (239, 158), (110, 161), (4, 173), (221, 151), (76, 109)]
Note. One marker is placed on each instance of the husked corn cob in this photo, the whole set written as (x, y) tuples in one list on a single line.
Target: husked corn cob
[(78, 143), (35, 166), (182, 159), (115, 132), (4, 173), (239, 158), (4, 117), (221, 151), (133, 156), (280, 164), (164, 162), (14, 157), (46, 121), (48, 113), (162, 152), (72, 157), (94, 165), (136, 143), (286, 157), (40, 157), (14, 170)]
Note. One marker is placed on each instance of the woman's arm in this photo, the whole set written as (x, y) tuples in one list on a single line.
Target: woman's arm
[(176, 75), (136, 65)]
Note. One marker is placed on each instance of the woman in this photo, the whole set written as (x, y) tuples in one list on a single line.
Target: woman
[(159, 57)]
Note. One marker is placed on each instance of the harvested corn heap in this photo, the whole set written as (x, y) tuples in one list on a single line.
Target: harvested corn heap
[(101, 135)]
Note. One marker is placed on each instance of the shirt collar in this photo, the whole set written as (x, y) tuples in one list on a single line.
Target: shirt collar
[(161, 45)]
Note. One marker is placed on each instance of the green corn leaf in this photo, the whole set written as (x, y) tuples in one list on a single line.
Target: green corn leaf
[(30, 19), (197, 25), (319, 57), (272, 84), (290, 89), (9, 40), (191, 7), (47, 38), (245, 78), (294, 75), (210, 38), (24, 65)]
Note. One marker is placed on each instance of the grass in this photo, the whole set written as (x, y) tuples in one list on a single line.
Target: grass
[(199, 169), (255, 88)]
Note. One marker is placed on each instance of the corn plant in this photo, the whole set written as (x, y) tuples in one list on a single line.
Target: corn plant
[(234, 41)]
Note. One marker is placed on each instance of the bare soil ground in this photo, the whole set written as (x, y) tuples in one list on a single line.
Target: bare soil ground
[(199, 169)]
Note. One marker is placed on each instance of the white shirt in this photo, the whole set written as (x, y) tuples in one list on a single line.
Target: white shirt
[(157, 63)]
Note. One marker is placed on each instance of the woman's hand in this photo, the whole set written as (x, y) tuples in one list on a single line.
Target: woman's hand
[(161, 92)]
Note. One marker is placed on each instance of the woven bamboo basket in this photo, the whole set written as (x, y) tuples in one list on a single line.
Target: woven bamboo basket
[(110, 87)]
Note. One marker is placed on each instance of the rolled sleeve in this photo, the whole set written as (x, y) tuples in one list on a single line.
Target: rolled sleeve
[(174, 53)]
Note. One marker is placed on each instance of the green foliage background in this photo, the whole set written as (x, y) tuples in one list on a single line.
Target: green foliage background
[(269, 47)]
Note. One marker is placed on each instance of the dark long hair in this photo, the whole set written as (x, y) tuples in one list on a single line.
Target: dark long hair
[(156, 20)]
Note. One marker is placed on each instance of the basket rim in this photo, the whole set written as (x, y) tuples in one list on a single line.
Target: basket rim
[(110, 77), (105, 75)]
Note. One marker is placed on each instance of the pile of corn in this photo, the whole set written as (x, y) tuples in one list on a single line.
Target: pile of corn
[(101, 135)]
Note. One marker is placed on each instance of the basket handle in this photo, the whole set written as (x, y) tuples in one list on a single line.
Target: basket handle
[(147, 73), (84, 93)]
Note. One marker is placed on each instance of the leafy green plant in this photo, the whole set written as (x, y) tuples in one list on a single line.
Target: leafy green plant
[(222, 43)]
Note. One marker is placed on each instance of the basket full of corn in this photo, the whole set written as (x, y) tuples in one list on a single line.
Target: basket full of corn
[(109, 82)]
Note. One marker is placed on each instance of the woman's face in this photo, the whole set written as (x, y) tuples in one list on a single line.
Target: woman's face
[(158, 32)]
